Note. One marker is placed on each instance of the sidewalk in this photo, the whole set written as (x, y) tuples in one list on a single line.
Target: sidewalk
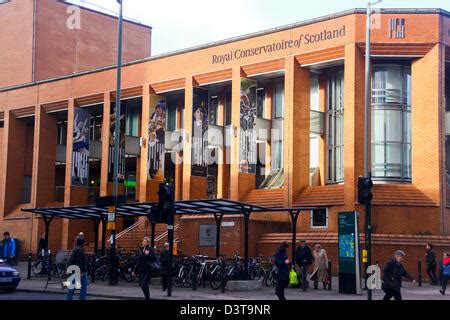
[(131, 291)]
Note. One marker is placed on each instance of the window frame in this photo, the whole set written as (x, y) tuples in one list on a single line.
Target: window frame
[(326, 219)]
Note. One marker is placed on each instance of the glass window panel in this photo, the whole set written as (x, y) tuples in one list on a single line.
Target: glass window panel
[(261, 103), (393, 121), (314, 92)]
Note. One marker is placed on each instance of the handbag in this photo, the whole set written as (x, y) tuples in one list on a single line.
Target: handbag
[(293, 278)]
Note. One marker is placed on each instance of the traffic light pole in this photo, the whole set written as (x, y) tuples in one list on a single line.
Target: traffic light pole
[(113, 265), (170, 229)]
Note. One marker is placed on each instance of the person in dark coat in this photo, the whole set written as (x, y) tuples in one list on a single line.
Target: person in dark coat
[(392, 278), (282, 263), (431, 264), (8, 249), (146, 257), (78, 258), (165, 265), (303, 259)]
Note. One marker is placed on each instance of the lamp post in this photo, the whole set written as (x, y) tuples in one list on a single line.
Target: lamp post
[(367, 107), (113, 266)]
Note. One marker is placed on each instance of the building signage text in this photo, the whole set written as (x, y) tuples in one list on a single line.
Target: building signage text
[(303, 39)]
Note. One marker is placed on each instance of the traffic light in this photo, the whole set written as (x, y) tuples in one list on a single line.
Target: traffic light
[(166, 201), (364, 190)]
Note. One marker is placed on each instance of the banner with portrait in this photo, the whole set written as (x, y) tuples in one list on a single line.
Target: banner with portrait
[(156, 138), (112, 136), (247, 136), (80, 148), (199, 163)]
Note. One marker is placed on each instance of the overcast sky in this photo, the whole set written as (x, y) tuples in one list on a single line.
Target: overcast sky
[(179, 24)]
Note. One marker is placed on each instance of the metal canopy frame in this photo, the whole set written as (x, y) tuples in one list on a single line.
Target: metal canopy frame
[(218, 208)]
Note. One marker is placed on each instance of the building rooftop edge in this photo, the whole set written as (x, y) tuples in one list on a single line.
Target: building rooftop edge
[(235, 39)]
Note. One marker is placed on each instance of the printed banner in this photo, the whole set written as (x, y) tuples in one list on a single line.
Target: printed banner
[(80, 149), (247, 136), (112, 126), (199, 164), (156, 137)]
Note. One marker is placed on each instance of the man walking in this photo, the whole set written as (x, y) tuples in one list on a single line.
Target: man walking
[(282, 263), (8, 248), (303, 259), (78, 258), (393, 273)]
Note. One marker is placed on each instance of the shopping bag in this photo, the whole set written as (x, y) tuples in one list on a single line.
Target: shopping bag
[(293, 279)]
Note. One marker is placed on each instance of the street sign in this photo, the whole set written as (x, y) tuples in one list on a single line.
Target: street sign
[(111, 225), (349, 259), (175, 248)]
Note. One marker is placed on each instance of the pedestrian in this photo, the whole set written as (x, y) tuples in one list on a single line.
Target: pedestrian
[(145, 265), (8, 248), (320, 272), (445, 272), (41, 254), (393, 273), (431, 264), (165, 265), (78, 258), (283, 265), (80, 235), (303, 259)]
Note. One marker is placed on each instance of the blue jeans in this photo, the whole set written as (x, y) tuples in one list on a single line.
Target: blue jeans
[(83, 290)]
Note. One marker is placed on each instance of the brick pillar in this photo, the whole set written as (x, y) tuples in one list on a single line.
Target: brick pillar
[(15, 149), (45, 155), (296, 128), (354, 125), (142, 161), (105, 144), (235, 128), (188, 100), (427, 125)]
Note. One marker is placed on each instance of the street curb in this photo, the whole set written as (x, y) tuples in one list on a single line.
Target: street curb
[(89, 295)]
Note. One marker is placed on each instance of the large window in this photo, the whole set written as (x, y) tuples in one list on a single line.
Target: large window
[(277, 125), (391, 122), (335, 127)]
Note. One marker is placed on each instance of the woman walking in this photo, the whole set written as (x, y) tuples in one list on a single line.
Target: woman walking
[(445, 272), (78, 258), (146, 259), (320, 272)]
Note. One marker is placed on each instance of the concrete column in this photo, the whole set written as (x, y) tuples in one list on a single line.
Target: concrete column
[(69, 147), (179, 163), (235, 127), (142, 161), (105, 144), (188, 100), (296, 128)]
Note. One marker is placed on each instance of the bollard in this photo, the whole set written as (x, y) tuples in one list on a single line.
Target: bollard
[(224, 276), (49, 266), (30, 255), (419, 269), (330, 276)]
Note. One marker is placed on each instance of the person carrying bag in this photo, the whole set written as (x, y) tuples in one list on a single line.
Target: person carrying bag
[(147, 263)]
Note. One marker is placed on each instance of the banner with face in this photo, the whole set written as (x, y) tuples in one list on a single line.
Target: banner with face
[(156, 138), (247, 136), (80, 149), (199, 161)]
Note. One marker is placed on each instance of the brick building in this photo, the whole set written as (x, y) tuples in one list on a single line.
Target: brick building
[(303, 82)]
